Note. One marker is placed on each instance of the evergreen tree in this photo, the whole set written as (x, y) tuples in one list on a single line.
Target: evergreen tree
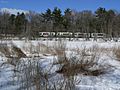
[(101, 15), (57, 18), (47, 15), (20, 23), (47, 20), (67, 19), (12, 23)]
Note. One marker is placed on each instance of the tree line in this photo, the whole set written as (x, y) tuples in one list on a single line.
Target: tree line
[(30, 24)]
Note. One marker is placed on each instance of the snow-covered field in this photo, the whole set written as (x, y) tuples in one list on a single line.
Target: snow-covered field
[(43, 51)]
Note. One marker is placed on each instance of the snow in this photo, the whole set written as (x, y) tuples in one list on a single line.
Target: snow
[(108, 81)]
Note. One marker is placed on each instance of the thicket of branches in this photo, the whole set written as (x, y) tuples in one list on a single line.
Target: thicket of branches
[(28, 25)]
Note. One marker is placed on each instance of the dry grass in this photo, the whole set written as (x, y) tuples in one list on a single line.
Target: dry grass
[(116, 52), (12, 51), (85, 62), (5, 50), (19, 53), (30, 71), (60, 47), (42, 48), (13, 54), (37, 49)]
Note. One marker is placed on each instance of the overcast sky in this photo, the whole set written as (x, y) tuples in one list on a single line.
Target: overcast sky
[(42, 5)]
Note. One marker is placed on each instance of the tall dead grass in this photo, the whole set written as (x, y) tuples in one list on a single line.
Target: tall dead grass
[(116, 52), (85, 62), (4, 49), (37, 49), (82, 61)]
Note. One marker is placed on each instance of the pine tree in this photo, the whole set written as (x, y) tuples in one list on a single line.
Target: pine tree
[(67, 19), (20, 23), (12, 23), (57, 18)]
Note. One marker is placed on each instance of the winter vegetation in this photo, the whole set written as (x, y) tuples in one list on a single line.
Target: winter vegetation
[(59, 65), (36, 55)]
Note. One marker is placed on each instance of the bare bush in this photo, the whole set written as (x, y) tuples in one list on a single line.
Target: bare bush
[(30, 74), (83, 63)]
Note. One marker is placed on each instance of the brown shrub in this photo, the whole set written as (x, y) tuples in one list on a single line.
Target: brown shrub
[(82, 63)]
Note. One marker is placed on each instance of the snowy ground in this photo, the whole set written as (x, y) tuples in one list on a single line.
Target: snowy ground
[(108, 81)]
